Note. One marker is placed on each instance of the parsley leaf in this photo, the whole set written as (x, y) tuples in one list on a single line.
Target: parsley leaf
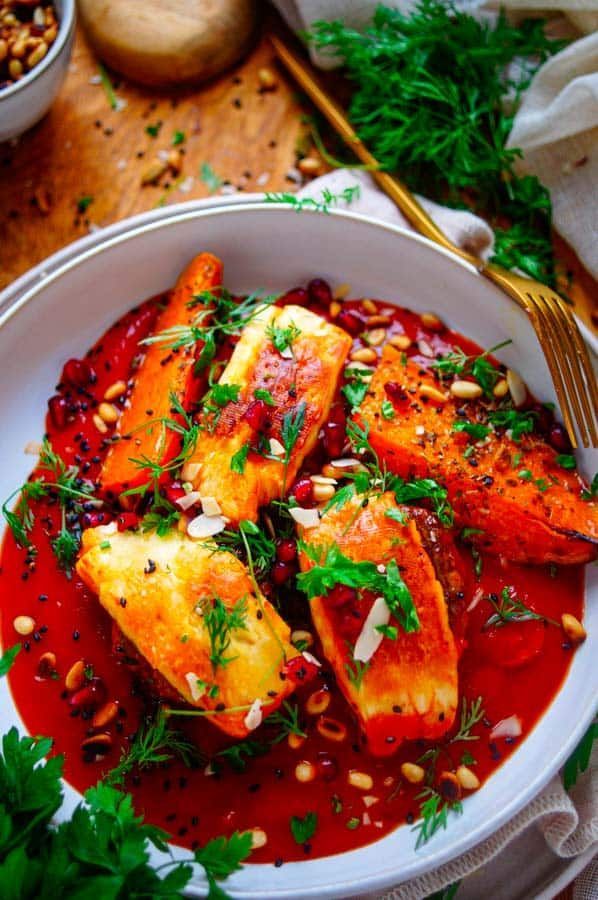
[(305, 828), (473, 429), (209, 177), (422, 489), (239, 459), (238, 754), (387, 410), (516, 421), (579, 760), (565, 461), (283, 338), (179, 137), (266, 396), (355, 390), (8, 658)]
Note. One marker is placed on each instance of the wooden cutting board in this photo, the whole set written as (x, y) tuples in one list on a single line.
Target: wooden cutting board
[(168, 42)]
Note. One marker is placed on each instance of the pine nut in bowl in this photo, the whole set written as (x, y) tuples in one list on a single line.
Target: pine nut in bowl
[(311, 783), (35, 75)]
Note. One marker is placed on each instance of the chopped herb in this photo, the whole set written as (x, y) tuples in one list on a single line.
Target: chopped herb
[(154, 130), (593, 490), (355, 668), (266, 396), (471, 714), (292, 423), (238, 754), (355, 390), (434, 812), (220, 622), (65, 547), (397, 515), (389, 631), (337, 804), (524, 475), (387, 410), (565, 461), (470, 532), (8, 658), (511, 609), (179, 137), (327, 199), (286, 717), (283, 338), (219, 396), (305, 828), (238, 460), (108, 89), (162, 517), (422, 489), (467, 759), (209, 177), (83, 203), (473, 429), (249, 534), (105, 545), (516, 421), (353, 823), (479, 367)]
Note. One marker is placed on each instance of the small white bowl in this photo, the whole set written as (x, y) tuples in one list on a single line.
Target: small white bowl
[(26, 101), (69, 300)]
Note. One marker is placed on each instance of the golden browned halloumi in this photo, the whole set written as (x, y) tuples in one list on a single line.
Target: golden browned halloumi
[(158, 590), (410, 686), (301, 385)]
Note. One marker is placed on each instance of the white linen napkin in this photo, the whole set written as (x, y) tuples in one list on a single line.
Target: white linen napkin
[(568, 821), (557, 123)]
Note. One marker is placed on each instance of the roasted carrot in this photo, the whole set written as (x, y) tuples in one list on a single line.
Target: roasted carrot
[(515, 496), (163, 373)]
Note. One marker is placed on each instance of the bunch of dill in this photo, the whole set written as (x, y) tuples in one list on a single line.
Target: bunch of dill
[(435, 94)]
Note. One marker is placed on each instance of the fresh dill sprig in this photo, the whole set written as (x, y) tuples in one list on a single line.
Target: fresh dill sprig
[(154, 743), (262, 548), (355, 668), (511, 609), (434, 812), (220, 622), (471, 714), (286, 717), (292, 423), (327, 199), (428, 101)]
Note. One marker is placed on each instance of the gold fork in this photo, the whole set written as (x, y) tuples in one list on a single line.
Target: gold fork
[(555, 326)]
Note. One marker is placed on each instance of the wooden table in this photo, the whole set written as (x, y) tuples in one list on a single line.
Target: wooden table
[(85, 149)]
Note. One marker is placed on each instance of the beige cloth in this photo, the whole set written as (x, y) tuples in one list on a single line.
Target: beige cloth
[(557, 123), (569, 822)]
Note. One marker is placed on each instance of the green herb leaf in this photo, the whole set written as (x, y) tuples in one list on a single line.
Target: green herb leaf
[(516, 421), (286, 717), (238, 754), (579, 760), (238, 460), (566, 461), (154, 130), (83, 203), (153, 744), (327, 199), (179, 137), (266, 396), (283, 338), (8, 658), (593, 490), (220, 622), (305, 828), (473, 429), (387, 410), (209, 177)]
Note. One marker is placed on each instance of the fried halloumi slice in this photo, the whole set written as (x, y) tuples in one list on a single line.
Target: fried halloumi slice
[(193, 613), (409, 687), (513, 496), (299, 385)]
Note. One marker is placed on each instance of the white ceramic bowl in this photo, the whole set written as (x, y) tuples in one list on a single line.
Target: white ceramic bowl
[(275, 248), (23, 103)]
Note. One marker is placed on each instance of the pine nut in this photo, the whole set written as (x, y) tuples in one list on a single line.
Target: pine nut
[(309, 166), (517, 388), (364, 355), (18, 49), (331, 729), (46, 666), (334, 309), (99, 423), (323, 479), (50, 34), (97, 745), (432, 393), (259, 838), (108, 413), (305, 771), (449, 787), (432, 322), (154, 171), (573, 628), (37, 55), (360, 780), (317, 703), (267, 79), (75, 676), (105, 714), (15, 69), (342, 291), (295, 741), (501, 388), (468, 780), (379, 320), (400, 341), (117, 389), (24, 625), (466, 390), (412, 772), (369, 306), (323, 492), (376, 337)]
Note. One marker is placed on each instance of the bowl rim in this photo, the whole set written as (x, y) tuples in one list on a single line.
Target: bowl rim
[(386, 875), (66, 25)]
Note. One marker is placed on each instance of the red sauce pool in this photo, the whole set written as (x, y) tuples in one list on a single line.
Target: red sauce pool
[(194, 806)]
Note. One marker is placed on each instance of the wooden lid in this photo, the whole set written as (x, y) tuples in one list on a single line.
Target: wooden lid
[(168, 42)]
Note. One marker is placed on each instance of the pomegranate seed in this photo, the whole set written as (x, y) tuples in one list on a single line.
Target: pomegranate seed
[(174, 491), (559, 439), (350, 322), (78, 372), (257, 414), (286, 550), (341, 595), (297, 296), (334, 439), (93, 519), (127, 520), (58, 409), (319, 292), (91, 696), (395, 391), (303, 491), (281, 572), (327, 766), (300, 670)]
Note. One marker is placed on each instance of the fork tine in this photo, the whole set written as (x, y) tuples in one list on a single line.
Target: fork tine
[(559, 339), (540, 326), (584, 383)]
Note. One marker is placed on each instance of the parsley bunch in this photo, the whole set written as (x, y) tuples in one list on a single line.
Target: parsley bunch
[(429, 102)]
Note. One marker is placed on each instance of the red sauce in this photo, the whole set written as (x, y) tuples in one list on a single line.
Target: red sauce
[(517, 669)]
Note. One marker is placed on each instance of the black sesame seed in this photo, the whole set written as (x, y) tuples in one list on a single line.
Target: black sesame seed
[(42, 598), (76, 635)]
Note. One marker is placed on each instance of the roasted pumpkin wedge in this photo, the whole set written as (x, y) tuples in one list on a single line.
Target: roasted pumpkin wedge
[(405, 684), (285, 370), (164, 373), (193, 613), (511, 495)]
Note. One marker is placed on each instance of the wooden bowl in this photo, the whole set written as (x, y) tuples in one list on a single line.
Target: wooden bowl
[(163, 43)]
